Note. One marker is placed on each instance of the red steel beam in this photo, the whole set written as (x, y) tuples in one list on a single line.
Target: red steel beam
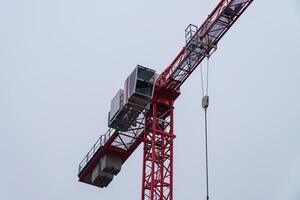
[(168, 81)]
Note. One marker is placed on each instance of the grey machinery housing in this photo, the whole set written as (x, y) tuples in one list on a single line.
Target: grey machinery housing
[(125, 107), (127, 104)]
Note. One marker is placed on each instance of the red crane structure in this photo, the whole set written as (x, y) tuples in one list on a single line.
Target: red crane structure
[(144, 111)]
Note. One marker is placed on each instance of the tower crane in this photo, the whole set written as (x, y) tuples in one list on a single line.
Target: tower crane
[(143, 112)]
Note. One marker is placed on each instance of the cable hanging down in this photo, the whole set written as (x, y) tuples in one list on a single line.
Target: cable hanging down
[(205, 104)]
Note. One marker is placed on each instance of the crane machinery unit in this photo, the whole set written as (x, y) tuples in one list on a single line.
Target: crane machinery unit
[(143, 112)]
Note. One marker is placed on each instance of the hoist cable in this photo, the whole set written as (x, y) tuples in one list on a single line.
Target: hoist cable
[(204, 92), (207, 71), (205, 104), (202, 81), (206, 134), (206, 156)]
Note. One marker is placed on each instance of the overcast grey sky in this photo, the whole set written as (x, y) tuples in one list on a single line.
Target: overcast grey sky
[(61, 62)]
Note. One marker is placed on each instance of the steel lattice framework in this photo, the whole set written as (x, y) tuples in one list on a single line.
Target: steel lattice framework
[(155, 127), (202, 44), (158, 150), (159, 135)]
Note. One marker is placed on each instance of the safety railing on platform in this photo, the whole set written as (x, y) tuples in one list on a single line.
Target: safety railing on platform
[(99, 143)]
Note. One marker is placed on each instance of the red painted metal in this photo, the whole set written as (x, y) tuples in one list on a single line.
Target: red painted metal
[(156, 130), (158, 150), (108, 148), (211, 31), (157, 182), (113, 142)]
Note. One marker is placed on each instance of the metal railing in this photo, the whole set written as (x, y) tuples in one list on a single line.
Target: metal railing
[(99, 143)]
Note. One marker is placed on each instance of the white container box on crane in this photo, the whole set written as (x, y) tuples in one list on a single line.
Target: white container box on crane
[(116, 104), (128, 104), (139, 86)]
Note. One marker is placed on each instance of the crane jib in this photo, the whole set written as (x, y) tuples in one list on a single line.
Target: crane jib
[(202, 44)]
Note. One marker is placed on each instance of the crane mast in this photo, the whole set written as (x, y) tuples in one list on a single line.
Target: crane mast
[(149, 118)]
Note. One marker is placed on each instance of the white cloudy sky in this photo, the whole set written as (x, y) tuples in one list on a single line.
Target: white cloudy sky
[(61, 62)]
